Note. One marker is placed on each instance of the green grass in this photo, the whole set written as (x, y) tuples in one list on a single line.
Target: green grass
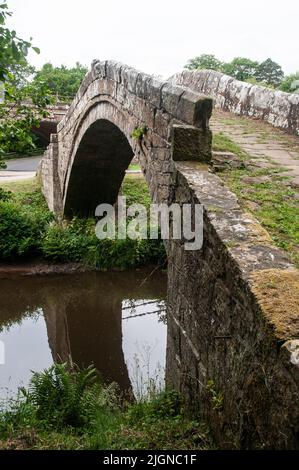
[(22, 186), (275, 201), (222, 143), (14, 155), (69, 408), (277, 209), (134, 167)]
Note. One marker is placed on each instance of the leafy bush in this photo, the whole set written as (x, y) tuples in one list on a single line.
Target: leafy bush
[(63, 244), (27, 227), (127, 253), (20, 231), (290, 83), (5, 195), (165, 404)]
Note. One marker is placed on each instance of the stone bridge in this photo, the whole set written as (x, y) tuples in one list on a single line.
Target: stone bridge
[(233, 319), (48, 125)]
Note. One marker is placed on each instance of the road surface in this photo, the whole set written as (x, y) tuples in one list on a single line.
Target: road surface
[(20, 169)]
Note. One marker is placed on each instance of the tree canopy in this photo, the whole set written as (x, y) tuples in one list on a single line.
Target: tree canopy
[(17, 115), (204, 61), (267, 73), (241, 68), (290, 83), (62, 82), (13, 50)]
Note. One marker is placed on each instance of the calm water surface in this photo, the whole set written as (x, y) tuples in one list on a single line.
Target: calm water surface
[(113, 320)]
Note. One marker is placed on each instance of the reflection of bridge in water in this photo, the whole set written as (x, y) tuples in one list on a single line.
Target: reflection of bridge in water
[(83, 315)]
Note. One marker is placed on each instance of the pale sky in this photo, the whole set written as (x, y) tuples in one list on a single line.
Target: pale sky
[(159, 36)]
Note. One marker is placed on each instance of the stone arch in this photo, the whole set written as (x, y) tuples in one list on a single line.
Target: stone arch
[(98, 168)]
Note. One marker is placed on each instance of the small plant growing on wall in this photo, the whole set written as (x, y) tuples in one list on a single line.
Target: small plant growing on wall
[(138, 133), (217, 397)]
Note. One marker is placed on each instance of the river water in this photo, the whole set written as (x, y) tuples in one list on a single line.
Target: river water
[(115, 321)]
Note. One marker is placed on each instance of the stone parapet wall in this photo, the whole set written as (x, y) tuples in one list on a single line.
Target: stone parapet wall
[(276, 107), (233, 329)]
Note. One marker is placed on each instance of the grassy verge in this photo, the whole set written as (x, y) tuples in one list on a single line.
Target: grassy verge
[(28, 229), (267, 194), (14, 155), (72, 409), (222, 143), (134, 167)]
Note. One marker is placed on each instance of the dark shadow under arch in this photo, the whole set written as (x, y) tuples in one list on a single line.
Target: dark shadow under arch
[(99, 166)]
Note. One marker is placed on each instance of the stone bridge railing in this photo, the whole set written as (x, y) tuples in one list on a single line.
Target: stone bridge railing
[(276, 107), (233, 316)]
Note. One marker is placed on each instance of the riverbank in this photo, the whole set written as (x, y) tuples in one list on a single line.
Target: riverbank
[(33, 241), (40, 268), (73, 410)]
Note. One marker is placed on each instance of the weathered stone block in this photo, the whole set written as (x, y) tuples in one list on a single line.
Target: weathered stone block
[(194, 110), (170, 97), (191, 143)]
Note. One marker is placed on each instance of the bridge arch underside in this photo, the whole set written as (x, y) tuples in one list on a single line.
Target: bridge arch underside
[(98, 168)]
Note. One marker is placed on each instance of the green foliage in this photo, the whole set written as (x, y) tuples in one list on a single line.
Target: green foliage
[(63, 244), (216, 397), (127, 253), (277, 210), (290, 83), (27, 229), (5, 195), (62, 396), (138, 133), (269, 72), (62, 82), (222, 143), (136, 190), (241, 68), (13, 50), (68, 408), (204, 61), (254, 81), (23, 108), (20, 230), (17, 115)]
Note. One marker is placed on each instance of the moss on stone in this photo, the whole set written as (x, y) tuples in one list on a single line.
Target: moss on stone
[(277, 291)]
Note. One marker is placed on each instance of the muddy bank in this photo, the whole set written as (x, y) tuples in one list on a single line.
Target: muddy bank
[(34, 268)]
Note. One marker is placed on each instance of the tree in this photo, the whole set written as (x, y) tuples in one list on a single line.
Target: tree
[(241, 68), (290, 83), (13, 50), (63, 82), (24, 103), (269, 72), (204, 61), (23, 109)]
